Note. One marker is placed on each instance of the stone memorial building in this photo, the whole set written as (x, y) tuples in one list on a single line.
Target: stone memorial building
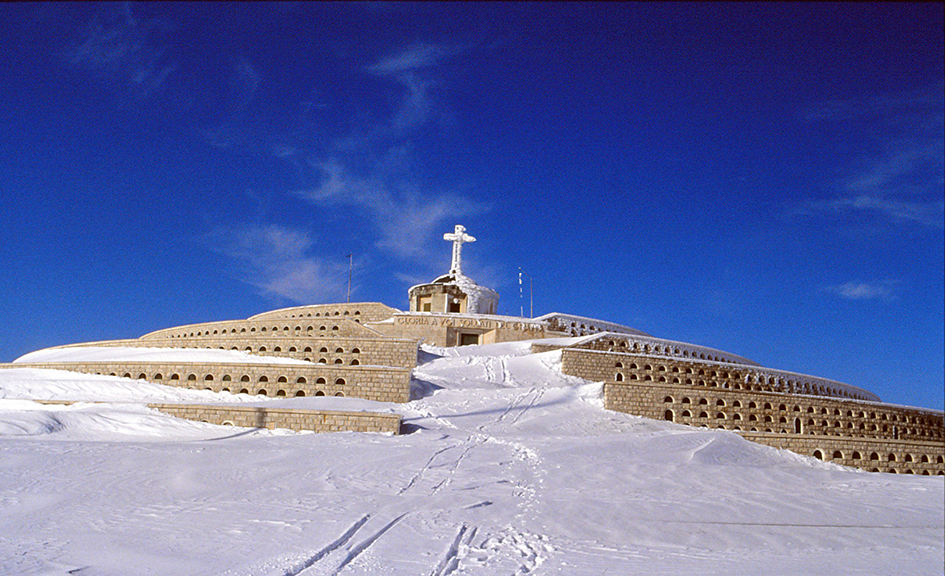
[(368, 350)]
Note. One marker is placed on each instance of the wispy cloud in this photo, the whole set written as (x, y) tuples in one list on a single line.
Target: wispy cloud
[(122, 47), (901, 178), (877, 290), (880, 106), (412, 58), (243, 84), (372, 171), (929, 213), (280, 262), (405, 217), (366, 174)]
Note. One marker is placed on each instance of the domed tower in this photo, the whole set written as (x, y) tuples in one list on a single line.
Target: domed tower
[(454, 292)]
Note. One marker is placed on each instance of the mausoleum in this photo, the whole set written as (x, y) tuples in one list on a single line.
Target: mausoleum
[(369, 350)]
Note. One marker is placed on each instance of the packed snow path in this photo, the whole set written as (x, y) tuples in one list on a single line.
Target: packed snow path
[(509, 467)]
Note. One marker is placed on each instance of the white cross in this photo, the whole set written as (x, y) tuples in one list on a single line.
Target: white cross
[(457, 238)]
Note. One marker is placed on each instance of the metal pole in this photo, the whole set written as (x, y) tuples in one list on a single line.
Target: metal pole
[(531, 302), (521, 305), (349, 277)]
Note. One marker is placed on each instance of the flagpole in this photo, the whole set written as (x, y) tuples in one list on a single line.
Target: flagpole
[(349, 277)]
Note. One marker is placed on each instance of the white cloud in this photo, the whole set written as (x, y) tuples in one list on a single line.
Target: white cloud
[(883, 289), (371, 170), (404, 217), (929, 213), (280, 263), (123, 48), (901, 175), (243, 84), (412, 58)]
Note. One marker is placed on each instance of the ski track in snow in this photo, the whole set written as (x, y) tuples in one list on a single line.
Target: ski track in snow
[(510, 468)]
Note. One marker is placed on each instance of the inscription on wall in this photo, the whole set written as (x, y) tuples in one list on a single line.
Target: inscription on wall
[(484, 324)]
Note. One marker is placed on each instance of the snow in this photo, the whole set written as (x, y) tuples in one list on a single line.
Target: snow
[(508, 467), (139, 354)]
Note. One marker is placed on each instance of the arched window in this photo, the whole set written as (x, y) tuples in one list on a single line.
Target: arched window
[(818, 455), (262, 392), (245, 378), (192, 378), (320, 381), (280, 393), (340, 382), (301, 380), (300, 394), (355, 362), (668, 415), (264, 379), (618, 377), (282, 379)]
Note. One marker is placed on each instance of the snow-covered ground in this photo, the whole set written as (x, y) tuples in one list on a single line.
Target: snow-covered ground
[(509, 467)]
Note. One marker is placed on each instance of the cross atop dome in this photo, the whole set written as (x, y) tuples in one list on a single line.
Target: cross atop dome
[(457, 238)]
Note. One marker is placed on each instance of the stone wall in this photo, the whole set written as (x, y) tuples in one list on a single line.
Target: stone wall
[(400, 352), (865, 434), (444, 329), (598, 365), (383, 384), (334, 327), (263, 417), (271, 418), (784, 420), (871, 454), (358, 311)]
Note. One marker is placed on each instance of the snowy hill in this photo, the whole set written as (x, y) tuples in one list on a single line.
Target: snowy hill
[(508, 467)]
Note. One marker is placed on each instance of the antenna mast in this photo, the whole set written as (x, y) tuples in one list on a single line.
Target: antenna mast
[(349, 277)]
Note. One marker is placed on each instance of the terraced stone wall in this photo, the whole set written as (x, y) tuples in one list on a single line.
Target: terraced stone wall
[(358, 311), (345, 351), (308, 327), (874, 455), (383, 384), (809, 425), (298, 420), (271, 418), (623, 367)]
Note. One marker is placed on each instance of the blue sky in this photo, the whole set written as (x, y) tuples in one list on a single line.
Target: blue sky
[(766, 179)]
